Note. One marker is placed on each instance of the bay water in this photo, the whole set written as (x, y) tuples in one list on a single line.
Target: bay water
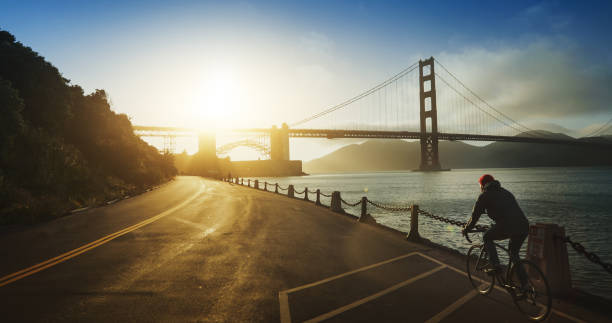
[(580, 199)]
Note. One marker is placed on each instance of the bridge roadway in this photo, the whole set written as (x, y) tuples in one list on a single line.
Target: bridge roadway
[(209, 251)]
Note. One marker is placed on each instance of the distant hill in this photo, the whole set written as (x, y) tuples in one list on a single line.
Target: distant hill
[(385, 155)]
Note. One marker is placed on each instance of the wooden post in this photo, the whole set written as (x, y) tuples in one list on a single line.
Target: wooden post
[(256, 184), (249, 182), (306, 194), (336, 203), (318, 202), (276, 188), (413, 235), (290, 191), (265, 186)]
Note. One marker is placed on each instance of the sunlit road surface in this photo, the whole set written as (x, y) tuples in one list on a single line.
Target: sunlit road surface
[(198, 250)]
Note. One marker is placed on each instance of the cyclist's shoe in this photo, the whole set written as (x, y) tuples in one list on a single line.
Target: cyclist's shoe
[(493, 270), (521, 293)]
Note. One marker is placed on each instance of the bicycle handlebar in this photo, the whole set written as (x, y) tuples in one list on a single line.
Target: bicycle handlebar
[(465, 233)]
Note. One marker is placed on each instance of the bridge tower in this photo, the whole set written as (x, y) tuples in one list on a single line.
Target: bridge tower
[(207, 146), (279, 143), (429, 117)]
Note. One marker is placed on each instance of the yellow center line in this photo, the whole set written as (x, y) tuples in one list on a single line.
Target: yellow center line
[(75, 252)]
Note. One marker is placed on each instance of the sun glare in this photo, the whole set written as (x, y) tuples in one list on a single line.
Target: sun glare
[(219, 101)]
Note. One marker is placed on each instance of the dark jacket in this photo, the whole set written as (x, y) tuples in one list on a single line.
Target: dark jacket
[(501, 206)]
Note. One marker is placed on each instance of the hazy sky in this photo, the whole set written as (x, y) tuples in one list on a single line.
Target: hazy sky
[(254, 64)]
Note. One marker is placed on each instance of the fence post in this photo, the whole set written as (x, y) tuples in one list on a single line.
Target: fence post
[(306, 194), (290, 191), (364, 208), (547, 249), (249, 182), (336, 203), (265, 186), (256, 184), (318, 202), (276, 188), (236, 180), (413, 235)]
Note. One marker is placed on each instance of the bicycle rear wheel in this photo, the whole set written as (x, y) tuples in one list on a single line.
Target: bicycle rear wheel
[(477, 261), (537, 301)]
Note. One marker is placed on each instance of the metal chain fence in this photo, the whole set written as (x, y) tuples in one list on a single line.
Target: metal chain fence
[(449, 221), (391, 208), (350, 204), (589, 255)]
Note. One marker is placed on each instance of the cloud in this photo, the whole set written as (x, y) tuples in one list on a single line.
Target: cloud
[(537, 82)]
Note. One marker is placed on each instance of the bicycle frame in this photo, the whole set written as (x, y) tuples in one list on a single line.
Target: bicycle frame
[(502, 278)]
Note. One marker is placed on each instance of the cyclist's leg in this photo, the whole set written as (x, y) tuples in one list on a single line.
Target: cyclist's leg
[(494, 233), (514, 246)]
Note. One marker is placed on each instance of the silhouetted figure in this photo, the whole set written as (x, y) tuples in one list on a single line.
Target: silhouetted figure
[(510, 222)]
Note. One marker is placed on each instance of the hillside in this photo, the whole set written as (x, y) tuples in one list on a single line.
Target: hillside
[(385, 155), (61, 148)]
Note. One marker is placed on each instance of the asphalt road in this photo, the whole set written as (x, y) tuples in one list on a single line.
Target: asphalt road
[(198, 250)]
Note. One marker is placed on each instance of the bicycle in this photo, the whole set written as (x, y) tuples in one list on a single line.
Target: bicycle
[(534, 301)]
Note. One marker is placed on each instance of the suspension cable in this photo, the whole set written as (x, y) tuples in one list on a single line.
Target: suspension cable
[(485, 102), (360, 96)]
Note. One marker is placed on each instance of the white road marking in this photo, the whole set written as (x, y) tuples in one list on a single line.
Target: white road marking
[(454, 306), (283, 300), (323, 281), (283, 296), (562, 314), (345, 308)]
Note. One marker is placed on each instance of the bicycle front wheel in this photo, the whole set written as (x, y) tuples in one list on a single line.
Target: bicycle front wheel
[(477, 261), (536, 301)]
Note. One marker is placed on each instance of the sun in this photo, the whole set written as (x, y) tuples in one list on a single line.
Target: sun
[(219, 102)]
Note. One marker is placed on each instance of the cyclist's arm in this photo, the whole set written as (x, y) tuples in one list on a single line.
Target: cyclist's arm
[(477, 211)]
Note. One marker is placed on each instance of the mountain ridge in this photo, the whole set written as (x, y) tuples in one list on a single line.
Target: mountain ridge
[(395, 154)]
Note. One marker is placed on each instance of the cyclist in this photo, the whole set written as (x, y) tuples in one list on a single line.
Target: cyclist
[(510, 223)]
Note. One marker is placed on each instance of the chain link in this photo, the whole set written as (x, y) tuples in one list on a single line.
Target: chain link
[(326, 195), (449, 221), (350, 204), (391, 208), (589, 255), (298, 192)]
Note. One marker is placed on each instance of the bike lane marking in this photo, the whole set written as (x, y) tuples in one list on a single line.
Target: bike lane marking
[(94, 244), (364, 300), (283, 296), (559, 313), (453, 307)]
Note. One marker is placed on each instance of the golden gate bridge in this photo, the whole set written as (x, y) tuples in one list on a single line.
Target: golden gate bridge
[(421, 102)]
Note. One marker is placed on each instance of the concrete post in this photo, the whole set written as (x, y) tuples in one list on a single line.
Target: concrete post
[(413, 235), (336, 203), (364, 206), (306, 194), (318, 202), (291, 191), (547, 249), (276, 188)]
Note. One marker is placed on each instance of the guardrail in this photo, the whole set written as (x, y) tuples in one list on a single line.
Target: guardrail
[(413, 235)]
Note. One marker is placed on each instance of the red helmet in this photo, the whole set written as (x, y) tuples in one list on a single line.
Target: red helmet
[(484, 179)]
